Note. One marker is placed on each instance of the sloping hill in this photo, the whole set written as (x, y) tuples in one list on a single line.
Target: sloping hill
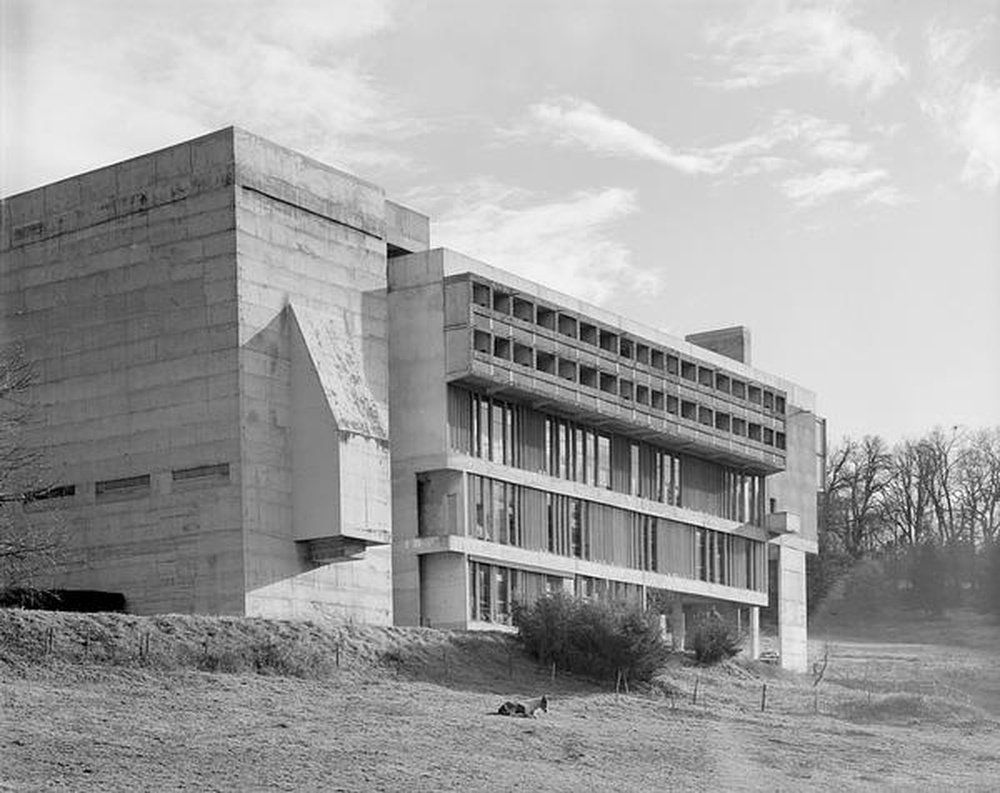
[(117, 702)]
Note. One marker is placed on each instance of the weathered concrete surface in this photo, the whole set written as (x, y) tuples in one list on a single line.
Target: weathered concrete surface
[(311, 272), (121, 285)]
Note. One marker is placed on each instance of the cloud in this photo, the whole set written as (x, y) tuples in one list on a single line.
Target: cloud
[(130, 77), (576, 123), (816, 188), (778, 41), (568, 243), (964, 103)]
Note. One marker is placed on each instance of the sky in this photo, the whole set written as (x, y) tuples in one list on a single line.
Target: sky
[(827, 174)]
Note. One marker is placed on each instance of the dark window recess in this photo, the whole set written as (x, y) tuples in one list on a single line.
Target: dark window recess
[(673, 404), (545, 362), (59, 491), (219, 471), (501, 303), (656, 400), (706, 377), (545, 317), (625, 349), (673, 365), (481, 295), (131, 485), (482, 342), (657, 359), (588, 333), (524, 310), (689, 410), (609, 341), (779, 404), (588, 376), (689, 371), (501, 348)]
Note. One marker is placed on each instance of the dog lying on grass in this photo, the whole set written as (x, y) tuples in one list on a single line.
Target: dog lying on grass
[(523, 710)]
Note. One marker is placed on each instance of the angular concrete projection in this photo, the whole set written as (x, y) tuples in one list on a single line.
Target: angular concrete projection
[(340, 456)]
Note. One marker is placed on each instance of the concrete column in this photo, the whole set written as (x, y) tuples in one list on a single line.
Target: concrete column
[(792, 646), (754, 633), (677, 627)]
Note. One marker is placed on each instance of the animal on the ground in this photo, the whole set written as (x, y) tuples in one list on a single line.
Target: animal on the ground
[(523, 710)]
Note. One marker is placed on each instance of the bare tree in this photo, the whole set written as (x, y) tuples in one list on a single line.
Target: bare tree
[(30, 541), (907, 499), (858, 474)]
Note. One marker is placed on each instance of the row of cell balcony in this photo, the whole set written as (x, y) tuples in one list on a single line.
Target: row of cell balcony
[(564, 325), (503, 349)]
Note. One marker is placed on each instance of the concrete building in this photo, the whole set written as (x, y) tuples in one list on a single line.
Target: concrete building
[(263, 394)]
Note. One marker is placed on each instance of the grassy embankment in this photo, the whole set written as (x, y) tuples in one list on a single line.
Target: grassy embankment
[(116, 702)]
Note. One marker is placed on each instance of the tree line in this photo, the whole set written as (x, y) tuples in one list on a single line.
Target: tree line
[(926, 510)]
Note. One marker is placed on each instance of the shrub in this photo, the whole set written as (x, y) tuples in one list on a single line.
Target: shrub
[(591, 638), (713, 639)]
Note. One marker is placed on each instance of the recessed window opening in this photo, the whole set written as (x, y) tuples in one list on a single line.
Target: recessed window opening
[(657, 359), (722, 422), (642, 394), (482, 341), (705, 416), (739, 389), (481, 295), (656, 400), (754, 432), (523, 354), (739, 427), (689, 371), (524, 309), (706, 377), (501, 347), (779, 440), (567, 369), (722, 383), (642, 354), (588, 376), (625, 348), (501, 302), (779, 404), (609, 341), (689, 410), (609, 383), (625, 389), (769, 400), (768, 436), (673, 364), (545, 317), (588, 333), (567, 326), (673, 404), (545, 362), (754, 394)]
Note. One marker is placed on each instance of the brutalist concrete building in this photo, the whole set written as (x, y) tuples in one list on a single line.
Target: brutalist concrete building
[(261, 392)]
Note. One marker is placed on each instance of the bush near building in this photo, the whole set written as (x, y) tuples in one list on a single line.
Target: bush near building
[(592, 638)]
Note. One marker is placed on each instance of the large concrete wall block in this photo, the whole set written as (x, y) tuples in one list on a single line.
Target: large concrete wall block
[(295, 180)]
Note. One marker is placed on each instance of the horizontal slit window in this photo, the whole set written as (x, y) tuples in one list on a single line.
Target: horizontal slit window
[(131, 485), (59, 491), (200, 472)]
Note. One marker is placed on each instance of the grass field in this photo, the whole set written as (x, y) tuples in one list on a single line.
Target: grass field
[(115, 702)]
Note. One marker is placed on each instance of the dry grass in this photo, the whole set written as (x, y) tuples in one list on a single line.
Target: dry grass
[(115, 702)]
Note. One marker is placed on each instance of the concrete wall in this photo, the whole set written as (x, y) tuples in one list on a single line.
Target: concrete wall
[(444, 590), (121, 284), (311, 245), (418, 408)]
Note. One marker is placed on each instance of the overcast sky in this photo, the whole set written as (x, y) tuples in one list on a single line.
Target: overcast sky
[(825, 173)]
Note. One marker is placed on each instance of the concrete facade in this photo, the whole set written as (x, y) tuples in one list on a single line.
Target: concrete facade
[(263, 394), (209, 325)]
